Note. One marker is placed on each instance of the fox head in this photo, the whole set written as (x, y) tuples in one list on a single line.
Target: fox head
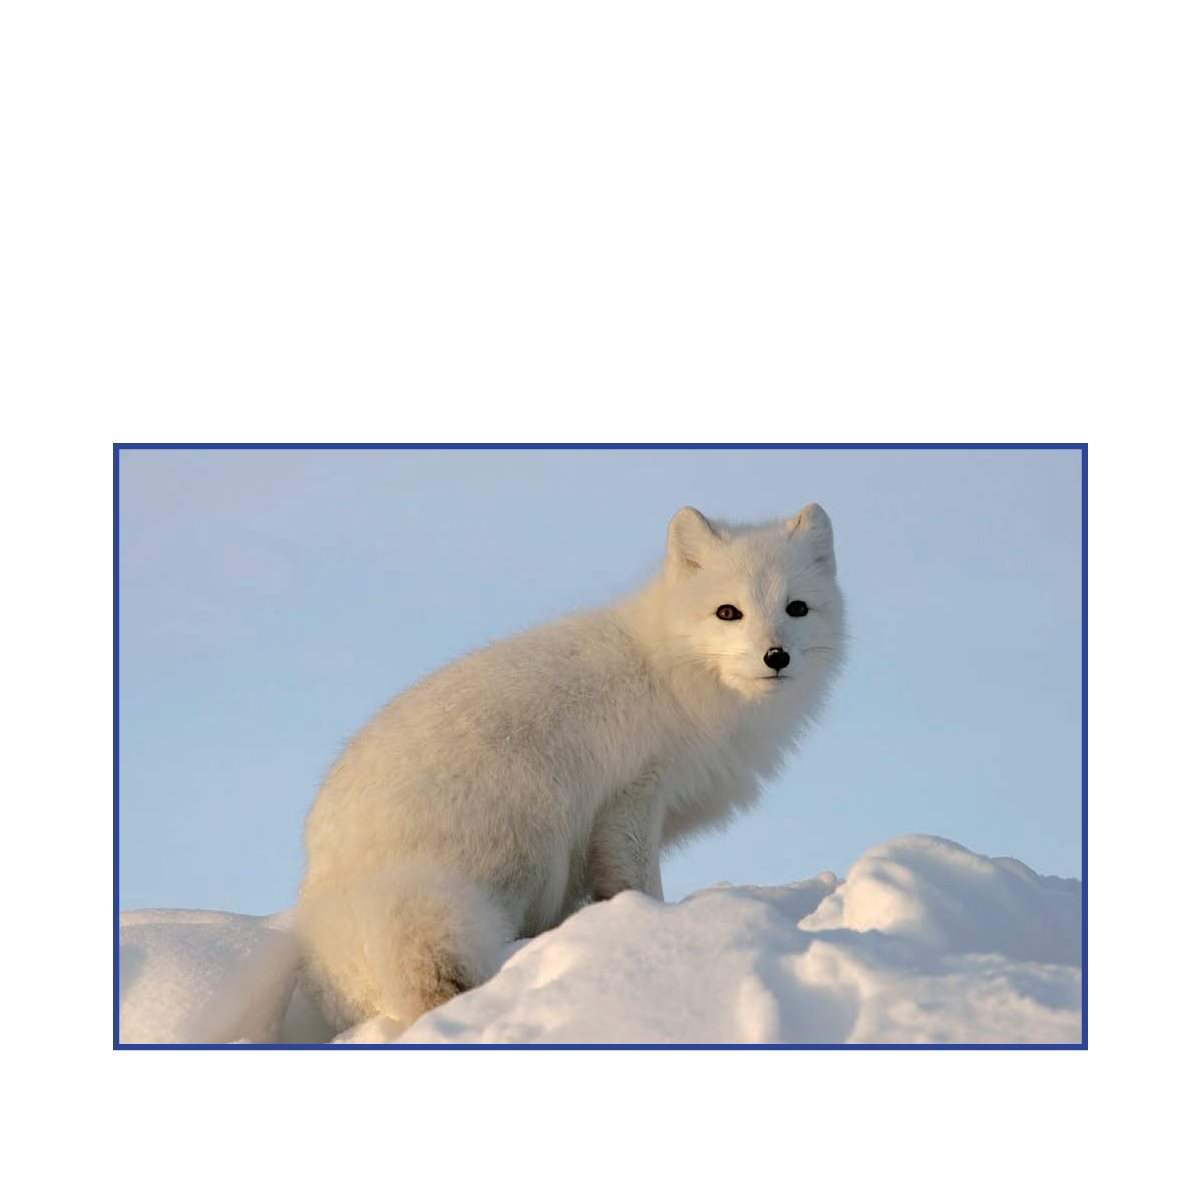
[(756, 605)]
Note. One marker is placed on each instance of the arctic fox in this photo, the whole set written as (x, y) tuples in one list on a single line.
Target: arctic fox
[(499, 794)]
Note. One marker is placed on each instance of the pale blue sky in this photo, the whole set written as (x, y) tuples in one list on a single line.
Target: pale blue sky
[(272, 600)]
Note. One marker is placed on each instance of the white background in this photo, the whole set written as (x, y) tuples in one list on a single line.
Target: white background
[(650, 221)]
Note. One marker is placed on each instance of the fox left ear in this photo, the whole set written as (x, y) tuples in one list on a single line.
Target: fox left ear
[(690, 538), (813, 521)]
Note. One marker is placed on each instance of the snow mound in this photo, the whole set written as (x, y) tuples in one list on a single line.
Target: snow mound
[(938, 894), (923, 941), (198, 977), (211, 977)]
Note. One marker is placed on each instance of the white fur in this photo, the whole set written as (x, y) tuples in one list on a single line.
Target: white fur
[(493, 798)]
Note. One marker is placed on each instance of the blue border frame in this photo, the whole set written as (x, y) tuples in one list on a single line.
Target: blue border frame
[(120, 446)]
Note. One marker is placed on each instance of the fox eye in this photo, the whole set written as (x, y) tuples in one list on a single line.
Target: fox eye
[(728, 613), (797, 608)]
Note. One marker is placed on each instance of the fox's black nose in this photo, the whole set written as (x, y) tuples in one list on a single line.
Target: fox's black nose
[(777, 658)]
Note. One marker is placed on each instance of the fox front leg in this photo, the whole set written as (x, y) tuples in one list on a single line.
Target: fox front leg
[(626, 843)]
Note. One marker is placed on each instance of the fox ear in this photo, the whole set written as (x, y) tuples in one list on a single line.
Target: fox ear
[(813, 521), (690, 538)]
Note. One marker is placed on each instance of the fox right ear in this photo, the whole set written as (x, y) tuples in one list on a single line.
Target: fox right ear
[(690, 538), (814, 521)]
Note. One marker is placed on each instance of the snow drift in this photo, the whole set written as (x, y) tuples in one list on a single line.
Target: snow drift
[(924, 941)]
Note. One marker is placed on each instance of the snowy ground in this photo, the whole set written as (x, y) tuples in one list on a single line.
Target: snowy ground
[(923, 941)]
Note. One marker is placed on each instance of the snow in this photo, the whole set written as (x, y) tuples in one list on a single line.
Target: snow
[(922, 942), (204, 976)]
